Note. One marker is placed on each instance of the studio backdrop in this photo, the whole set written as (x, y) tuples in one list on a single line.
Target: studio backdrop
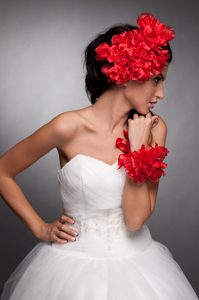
[(42, 75)]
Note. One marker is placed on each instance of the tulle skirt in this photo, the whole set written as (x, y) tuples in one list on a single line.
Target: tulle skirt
[(128, 266)]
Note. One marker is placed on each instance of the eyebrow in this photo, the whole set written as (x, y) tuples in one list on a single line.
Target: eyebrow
[(161, 75)]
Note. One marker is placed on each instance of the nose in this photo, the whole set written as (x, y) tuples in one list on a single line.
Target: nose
[(160, 91)]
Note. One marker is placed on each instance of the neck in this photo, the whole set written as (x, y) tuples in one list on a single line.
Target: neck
[(111, 111)]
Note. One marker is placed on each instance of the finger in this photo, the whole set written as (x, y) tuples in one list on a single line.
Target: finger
[(60, 241), (155, 119), (135, 116), (141, 117), (68, 230), (155, 122), (148, 115), (60, 226), (65, 236), (65, 218), (55, 235)]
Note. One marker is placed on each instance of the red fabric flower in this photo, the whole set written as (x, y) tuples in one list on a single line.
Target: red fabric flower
[(143, 164), (136, 54)]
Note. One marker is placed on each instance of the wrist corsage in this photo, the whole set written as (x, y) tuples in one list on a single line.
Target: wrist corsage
[(143, 164)]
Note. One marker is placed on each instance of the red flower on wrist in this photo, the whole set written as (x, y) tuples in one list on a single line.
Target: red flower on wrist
[(143, 164)]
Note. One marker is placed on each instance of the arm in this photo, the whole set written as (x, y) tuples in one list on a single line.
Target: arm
[(24, 154), (159, 135), (139, 199)]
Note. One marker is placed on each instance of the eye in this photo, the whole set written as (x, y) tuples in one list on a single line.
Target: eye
[(157, 79)]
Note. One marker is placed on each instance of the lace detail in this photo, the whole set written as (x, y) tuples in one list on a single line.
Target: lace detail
[(106, 224), (103, 233)]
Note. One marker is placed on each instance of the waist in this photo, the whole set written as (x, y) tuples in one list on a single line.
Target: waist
[(104, 233), (100, 221)]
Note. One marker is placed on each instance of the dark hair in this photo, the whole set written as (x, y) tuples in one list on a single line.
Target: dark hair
[(95, 81)]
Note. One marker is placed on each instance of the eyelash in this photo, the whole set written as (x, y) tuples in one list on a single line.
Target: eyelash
[(158, 78)]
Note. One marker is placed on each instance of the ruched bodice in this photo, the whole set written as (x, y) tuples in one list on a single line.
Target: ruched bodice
[(91, 192), (87, 183)]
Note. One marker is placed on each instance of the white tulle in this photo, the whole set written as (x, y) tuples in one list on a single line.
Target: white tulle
[(107, 261)]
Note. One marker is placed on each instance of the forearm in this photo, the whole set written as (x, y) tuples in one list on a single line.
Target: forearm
[(16, 200), (136, 203)]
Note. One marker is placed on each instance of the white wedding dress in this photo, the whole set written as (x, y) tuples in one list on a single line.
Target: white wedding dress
[(107, 261)]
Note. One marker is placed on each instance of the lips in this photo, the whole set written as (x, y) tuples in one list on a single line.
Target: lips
[(151, 104)]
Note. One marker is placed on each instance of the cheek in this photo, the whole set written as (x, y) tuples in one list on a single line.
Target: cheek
[(140, 94), (148, 93)]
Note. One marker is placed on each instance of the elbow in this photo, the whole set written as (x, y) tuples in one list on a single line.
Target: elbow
[(136, 222), (136, 225)]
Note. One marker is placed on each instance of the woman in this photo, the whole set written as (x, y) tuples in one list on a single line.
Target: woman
[(102, 186)]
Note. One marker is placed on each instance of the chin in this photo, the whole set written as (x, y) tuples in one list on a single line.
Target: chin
[(144, 111)]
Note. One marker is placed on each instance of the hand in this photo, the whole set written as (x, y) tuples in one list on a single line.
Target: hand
[(139, 130), (58, 231)]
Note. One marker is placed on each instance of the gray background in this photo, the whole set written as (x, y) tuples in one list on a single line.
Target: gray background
[(41, 75)]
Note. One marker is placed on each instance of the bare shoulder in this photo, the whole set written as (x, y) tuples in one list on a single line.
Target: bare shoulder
[(51, 135), (65, 125), (159, 132), (68, 124)]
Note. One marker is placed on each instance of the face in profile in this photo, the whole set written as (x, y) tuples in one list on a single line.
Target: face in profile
[(140, 94)]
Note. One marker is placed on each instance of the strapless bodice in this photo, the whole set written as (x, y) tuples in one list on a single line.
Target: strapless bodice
[(86, 183), (91, 192)]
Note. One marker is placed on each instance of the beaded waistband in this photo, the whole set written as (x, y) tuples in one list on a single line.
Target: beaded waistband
[(103, 233)]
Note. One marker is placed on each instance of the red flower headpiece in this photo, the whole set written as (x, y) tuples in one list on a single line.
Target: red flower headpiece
[(136, 54)]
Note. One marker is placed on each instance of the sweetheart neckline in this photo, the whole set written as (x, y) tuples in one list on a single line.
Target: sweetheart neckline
[(88, 156)]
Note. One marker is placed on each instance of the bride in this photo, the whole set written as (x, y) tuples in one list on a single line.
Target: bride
[(100, 247)]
